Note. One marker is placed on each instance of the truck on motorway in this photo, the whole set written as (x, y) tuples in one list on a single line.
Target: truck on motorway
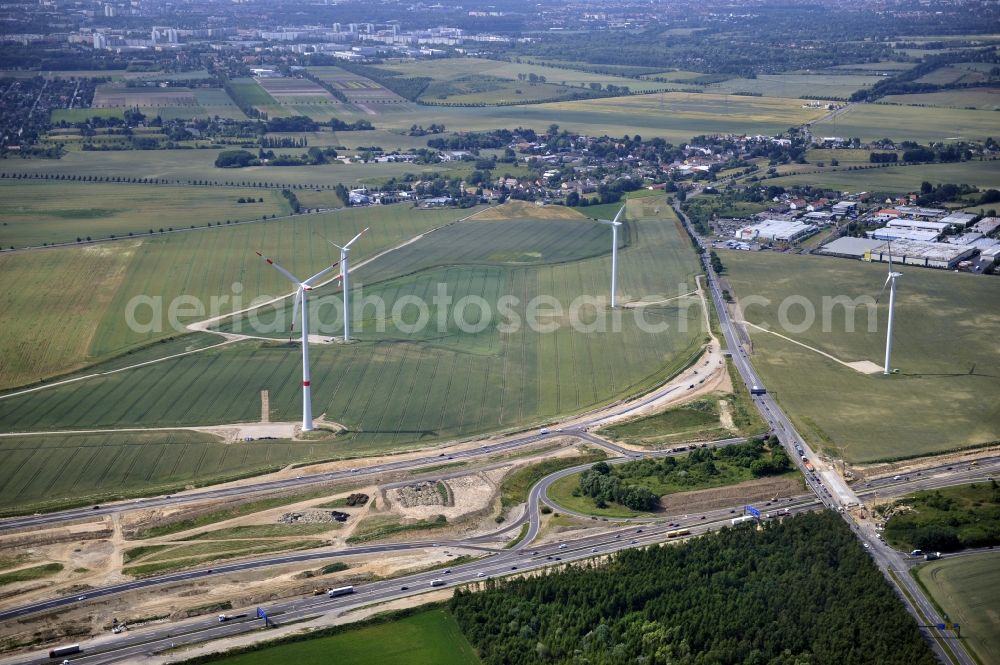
[(64, 651), (677, 533), (227, 617), (932, 556), (437, 582), (810, 467), (741, 520), (757, 390), (340, 591)]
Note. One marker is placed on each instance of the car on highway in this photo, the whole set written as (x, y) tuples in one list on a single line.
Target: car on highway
[(544, 430), (480, 574), (404, 588), (513, 567), (562, 546), (634, 542)]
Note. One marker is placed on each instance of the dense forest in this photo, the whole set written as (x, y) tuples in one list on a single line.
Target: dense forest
[(798, 591)]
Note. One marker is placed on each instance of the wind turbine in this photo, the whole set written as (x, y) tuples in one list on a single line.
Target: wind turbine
[(614, 253), (343, 276), (890, 281), (300, 303)]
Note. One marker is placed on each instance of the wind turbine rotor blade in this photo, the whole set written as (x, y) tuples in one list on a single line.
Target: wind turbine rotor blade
[(348, 245), (312, 280), (620, 211), (277, 267), (882, 292)]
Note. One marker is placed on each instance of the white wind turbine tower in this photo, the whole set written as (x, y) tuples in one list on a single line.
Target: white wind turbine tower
[(343, 276), (890, 281), (614, 254), (300, 303)]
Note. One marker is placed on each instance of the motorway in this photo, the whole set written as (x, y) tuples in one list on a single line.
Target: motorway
[(142, 641), (828, 485), (832, 492), (151, 639)]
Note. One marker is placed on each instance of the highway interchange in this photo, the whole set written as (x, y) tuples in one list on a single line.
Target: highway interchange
[(828, 490)]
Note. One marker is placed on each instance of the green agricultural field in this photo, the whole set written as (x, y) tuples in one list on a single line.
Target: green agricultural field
[(452, 75), (798, 86), (72, 469), (846, 156), (189, 166), (77, 287), (207, 263), (429, 637), (695, 421), (955, 74), (394, 391), (900, 179), (881, 66), (487, 89), (943, 346), (674, 116), (247, 92), (871, 122), (987, 99), (617, 70), (81, 115), (30, 574), (58, 211), (967, 590)]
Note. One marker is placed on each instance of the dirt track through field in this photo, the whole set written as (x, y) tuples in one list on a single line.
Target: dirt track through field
[(861, 366)]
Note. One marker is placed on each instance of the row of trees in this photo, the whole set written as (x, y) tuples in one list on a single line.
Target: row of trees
[(794, 592)]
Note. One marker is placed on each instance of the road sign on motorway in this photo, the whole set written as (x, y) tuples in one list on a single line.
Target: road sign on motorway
[(753, 511)]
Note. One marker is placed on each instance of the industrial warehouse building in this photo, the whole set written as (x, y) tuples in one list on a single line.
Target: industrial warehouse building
[(927, 254), (772, 230), (909, 252), (894, 234), (850, 248)]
